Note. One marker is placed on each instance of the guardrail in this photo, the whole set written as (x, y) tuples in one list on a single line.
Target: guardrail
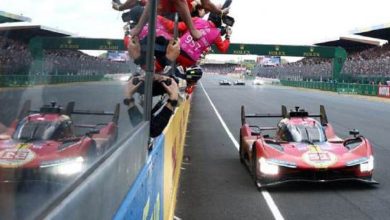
[(32, 80), (345, 88)]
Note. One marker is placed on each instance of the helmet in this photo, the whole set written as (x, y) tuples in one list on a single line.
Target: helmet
[(193, 74)]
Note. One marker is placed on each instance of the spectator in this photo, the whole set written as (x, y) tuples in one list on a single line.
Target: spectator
[(162, 85)]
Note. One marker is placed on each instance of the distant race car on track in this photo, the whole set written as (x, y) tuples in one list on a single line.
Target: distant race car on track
[(303, 149), (258, 82), (43, 142), (225, 83), (239, 83)]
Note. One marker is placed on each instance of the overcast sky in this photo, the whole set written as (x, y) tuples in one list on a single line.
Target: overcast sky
[(264, 22), (257, 21)]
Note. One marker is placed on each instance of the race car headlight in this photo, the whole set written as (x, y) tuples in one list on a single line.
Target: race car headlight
[(367, 166), (65, 166), (282, 163), (267, 167)]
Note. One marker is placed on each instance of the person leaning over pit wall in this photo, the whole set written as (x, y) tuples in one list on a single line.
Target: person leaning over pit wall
[(165, 7), (162, 85)]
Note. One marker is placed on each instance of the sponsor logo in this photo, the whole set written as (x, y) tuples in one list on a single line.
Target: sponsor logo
[(384, 91), (241, 50), (277, 52), (156, 209), (319, 158), (69, 45), (12, 158), (311, 53), (109, 46)]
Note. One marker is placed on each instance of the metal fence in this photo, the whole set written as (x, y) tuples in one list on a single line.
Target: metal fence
[(348, 88)]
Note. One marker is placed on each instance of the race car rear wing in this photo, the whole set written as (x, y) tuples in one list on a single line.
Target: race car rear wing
[(69, 110), (297, 113)]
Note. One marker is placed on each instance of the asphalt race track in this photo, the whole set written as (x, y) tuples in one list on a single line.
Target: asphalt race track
[(215, 185), (18, 200)]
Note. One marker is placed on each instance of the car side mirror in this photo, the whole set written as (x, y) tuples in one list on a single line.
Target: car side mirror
[(255, 130), (92, 132), (354, 132)]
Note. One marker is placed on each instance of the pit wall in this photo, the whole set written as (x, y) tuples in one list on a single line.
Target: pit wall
[(153, 193)]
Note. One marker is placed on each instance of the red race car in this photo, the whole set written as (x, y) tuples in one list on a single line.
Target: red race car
[(300, 148), (44, 143)]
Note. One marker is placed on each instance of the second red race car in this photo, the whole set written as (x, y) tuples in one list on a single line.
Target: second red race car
[(303, 149), (44, 143)]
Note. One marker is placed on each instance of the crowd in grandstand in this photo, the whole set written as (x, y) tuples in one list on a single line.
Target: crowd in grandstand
[(297, 70), (218, 68), (374, 62), (16, 59)]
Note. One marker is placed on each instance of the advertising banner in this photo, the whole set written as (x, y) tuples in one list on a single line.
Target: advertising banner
[(173, 154), (119, 56), (145, 198), (384, 91)]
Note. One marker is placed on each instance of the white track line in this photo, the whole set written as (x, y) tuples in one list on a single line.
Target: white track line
[(270, 202)]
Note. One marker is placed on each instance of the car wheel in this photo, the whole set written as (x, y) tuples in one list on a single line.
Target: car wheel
[(241, 151), (92, 153), (253, 165)]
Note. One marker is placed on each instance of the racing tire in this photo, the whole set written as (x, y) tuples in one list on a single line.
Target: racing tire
[(92, 153), (256, 179), (242, 160), (254, 166)]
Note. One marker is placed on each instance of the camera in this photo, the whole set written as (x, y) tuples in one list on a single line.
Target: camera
[(167, 82), (136, 80), (133, 16), (126, 16), (229, 21), (158, 88)]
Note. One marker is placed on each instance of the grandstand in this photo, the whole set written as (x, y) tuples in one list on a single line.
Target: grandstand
[(16, 59), (368, 60), (225, 68), (8, 17)]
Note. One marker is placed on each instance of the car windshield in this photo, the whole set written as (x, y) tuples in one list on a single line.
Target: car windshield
[(309, 132), (35, 130)]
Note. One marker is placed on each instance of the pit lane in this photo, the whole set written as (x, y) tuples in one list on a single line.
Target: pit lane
[(214, 185)]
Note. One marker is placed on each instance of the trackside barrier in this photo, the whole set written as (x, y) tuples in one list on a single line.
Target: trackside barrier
[(345, 88), (31, 80), (175, 134), (384, 91), (153, 194), (144, 200)]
